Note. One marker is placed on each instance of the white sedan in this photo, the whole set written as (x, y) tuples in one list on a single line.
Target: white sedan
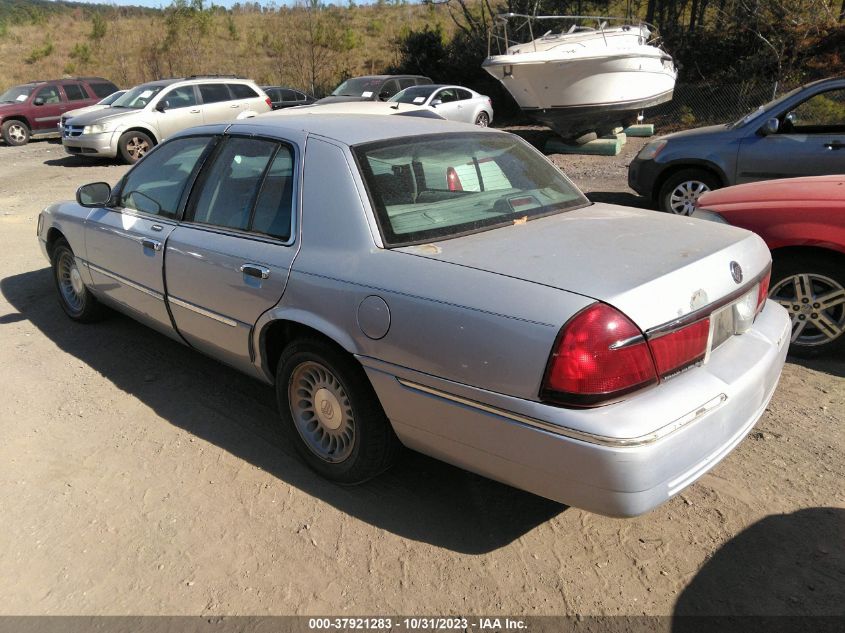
[(454, 103)]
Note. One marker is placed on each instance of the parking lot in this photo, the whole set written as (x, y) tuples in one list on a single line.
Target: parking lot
[(140, 477)]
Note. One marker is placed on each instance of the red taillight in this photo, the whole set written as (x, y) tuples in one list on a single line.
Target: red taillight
[(269, 102), (763, 291), (681, 348), (453, 181), (600, 354)]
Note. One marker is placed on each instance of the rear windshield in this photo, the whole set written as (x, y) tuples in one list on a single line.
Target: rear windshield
[(18, 93), (428, 188), (138, 97), (358, 87)]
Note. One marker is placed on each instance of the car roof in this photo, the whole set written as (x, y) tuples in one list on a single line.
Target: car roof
[(349, 129)]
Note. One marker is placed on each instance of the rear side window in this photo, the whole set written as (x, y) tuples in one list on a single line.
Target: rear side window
[(103, 89), (300, 96), (439, 186), (248, 188), (288, 95), (157, 183), (214, 93), (464, 94), (242, 91), (74, 92)]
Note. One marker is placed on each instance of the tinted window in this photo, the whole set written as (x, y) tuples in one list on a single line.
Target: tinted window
[(288, 95), (103, 89), (389, 89), (431, 187), (157, 183), (214, 93), (74, 92), (272, 214), (421, 81), (50, 94), (231, 186), (300, 96), (447, 96), (464, 94), (181, 97), (242, 91), (407, 82)]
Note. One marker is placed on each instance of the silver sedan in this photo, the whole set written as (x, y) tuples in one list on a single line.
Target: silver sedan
[(408, 281), (454, 103)]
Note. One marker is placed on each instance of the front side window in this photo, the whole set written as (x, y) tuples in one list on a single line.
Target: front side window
[(447, 95), (824, 112), (157, 183), (50, 94), (214, 93), (441, 186), (74, 92), (181, 97), (248, 188)]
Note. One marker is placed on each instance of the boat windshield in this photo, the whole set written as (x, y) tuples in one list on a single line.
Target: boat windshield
[(18, 93), (414, 94), (771, 105), (440, 186), (358, 87), (138, 97)]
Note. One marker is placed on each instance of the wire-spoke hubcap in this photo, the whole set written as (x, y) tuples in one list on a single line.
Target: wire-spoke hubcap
[(137, 147), (321, 412), (817, 306), (17, 133), (684, 196), (70, 282)]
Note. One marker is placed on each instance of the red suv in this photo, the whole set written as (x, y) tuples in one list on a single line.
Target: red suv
[(34, 109)]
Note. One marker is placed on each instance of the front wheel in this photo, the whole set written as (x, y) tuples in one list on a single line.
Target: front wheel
[(682, 190), (133, 145), (812, 288), (482, 120), (331, 413), (76, 300), (15, 132)]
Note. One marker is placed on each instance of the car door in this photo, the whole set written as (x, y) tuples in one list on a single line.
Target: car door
[(228, 261), (810, 141), (217, 103), (49, 105), (448, 106), (124, 244), (182, 110)]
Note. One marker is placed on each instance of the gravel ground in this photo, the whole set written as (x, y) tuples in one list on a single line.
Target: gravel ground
[(140, 477)]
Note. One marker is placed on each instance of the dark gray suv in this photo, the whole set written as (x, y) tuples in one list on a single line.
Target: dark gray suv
[(801, 133)]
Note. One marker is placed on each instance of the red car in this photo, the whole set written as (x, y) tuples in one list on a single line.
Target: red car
[(803, 222)]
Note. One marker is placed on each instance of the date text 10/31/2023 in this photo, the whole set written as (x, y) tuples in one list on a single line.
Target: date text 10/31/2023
[(416, 624)]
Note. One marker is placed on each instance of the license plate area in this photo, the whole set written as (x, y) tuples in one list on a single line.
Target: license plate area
[(731, 320)]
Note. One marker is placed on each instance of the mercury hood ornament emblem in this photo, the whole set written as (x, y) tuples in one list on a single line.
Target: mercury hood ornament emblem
[(736, 272)]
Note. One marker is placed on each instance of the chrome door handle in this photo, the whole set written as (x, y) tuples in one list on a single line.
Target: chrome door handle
[(255, 270), (151, 244), (194, 111), (156, 227), (235, 105)]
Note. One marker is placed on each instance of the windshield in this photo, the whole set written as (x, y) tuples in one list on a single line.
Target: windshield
[(138, 97), (435, 187), (414, 94), (764, 108), (112, 98), (358, 87), (18, 93)]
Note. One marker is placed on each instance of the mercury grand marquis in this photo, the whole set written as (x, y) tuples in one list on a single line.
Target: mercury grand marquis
[(417, 282)]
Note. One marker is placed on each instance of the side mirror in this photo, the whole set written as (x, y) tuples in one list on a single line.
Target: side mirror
[(38, 101), (93, 195), (436, 103), (770, 127), (162, 105)]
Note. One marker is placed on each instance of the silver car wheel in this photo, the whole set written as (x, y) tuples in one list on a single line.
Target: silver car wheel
[(684, 196), (482, 120), (17, 133), (322, 412), (816, 304), (136, 147), (70, 282)]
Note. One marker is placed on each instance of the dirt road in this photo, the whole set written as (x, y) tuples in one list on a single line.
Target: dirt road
[(139, 477)]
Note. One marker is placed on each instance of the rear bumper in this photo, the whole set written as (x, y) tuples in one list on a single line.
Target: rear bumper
[(104, 145), (688, 425)]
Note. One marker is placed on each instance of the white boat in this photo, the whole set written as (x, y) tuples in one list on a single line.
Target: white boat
[(577, 79)]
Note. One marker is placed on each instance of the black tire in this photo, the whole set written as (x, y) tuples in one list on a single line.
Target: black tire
[(483, 119), (133, 145), (680, 191), (815, 276), (15, 132), (76, 300), (363, 444)]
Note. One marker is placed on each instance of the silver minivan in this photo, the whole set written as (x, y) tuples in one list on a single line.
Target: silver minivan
[(152, 112)]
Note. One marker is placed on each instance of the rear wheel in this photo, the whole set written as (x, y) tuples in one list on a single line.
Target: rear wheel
[(812, 288), (76, 300), (15, 132), (331, 413), (482, 120), (681, 190), (133, 145)]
